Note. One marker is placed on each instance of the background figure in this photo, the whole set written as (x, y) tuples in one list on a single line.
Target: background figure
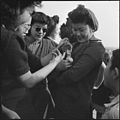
[(52, 28), (72, 91), (111, 80), (66, 31), (106, 57), (44, 49), (41, 48), (101, 94), (17, 61)]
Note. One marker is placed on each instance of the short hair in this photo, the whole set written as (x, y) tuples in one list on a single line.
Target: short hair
[(84, 15), (115, 61), (53, 21), (39, 17), (11, 9)]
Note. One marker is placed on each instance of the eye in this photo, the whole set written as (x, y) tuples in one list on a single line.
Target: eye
[(38, 29), (44, 30)]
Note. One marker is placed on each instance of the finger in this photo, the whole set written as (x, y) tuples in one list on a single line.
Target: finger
[(58, 52), (68, 66), (63, 56)]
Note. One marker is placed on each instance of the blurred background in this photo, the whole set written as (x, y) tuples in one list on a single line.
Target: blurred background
[(107, 13)]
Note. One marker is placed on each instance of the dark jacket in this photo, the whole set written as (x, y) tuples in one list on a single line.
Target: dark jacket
[(15, 60), (72, 93)]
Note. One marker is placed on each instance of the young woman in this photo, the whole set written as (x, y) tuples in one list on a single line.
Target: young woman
[(17, 61)]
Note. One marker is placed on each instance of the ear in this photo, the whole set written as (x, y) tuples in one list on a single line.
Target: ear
[(116, 74)]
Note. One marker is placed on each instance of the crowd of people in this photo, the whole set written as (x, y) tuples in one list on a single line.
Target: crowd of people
[(43, 79)]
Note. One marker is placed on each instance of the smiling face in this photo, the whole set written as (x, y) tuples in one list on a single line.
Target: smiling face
[(111, 76), (38, 31), (23, 22), (82, 31)]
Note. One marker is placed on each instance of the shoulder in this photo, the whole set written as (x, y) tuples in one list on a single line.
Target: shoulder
[(10, 41), (5, 37), (95, 49), (49, 42)]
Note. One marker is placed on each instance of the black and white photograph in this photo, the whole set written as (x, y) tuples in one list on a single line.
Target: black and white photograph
[(59, 59)]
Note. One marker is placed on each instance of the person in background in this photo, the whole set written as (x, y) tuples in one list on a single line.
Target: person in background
[(101, 94), (35, 38), (52, 28), (17, 61), (66, 31), (111, 80), (42, 48), (73, 88)]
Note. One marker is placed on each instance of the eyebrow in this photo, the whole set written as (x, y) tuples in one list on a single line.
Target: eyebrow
[(40, 26)]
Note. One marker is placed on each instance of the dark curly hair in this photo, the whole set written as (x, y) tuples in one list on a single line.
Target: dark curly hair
[(115, 59), (53, 21), (39, 17), (84, 15), (10, 10), (66, 31)]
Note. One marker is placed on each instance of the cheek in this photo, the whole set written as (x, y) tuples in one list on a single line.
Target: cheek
[(33, 32)]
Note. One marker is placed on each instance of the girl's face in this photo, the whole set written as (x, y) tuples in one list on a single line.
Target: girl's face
[(38, 31), (23, 21), (82, 31)]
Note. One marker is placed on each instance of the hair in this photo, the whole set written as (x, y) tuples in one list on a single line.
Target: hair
[(10, 10), (66, 31), (53, 21), (115, 59), (84, 15), (106, 57), (39, 17)]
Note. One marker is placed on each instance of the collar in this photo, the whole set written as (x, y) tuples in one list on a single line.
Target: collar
[(113, 102), (93, 38), (50, 38)]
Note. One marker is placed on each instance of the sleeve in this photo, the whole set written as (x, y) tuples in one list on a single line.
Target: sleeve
[(15, 56), (52, 45), (91, 58)]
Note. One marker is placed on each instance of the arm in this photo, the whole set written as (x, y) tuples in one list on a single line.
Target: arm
[(16, 59), (30, 80), (91, 58), (9, 113), (45, 60), (80, 69)]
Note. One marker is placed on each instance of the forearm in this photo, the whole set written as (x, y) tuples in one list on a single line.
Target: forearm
[(39, 75), (5, 110), (45, 60), (9, 113)]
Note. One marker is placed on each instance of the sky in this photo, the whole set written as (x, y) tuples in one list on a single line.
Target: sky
[(107, 13)]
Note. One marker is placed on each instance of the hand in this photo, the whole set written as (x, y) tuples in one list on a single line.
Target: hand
[(13, 115), (63, 41), (69, 59), (58, 56), (63, 65), (65, 46)]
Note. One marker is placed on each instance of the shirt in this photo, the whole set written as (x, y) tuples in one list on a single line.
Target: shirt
[(112, 109)]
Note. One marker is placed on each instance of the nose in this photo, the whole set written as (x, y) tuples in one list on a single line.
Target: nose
[(27, 28), (41, 31)]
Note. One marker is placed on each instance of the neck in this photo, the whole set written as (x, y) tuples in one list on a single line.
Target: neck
[(116, 90)]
